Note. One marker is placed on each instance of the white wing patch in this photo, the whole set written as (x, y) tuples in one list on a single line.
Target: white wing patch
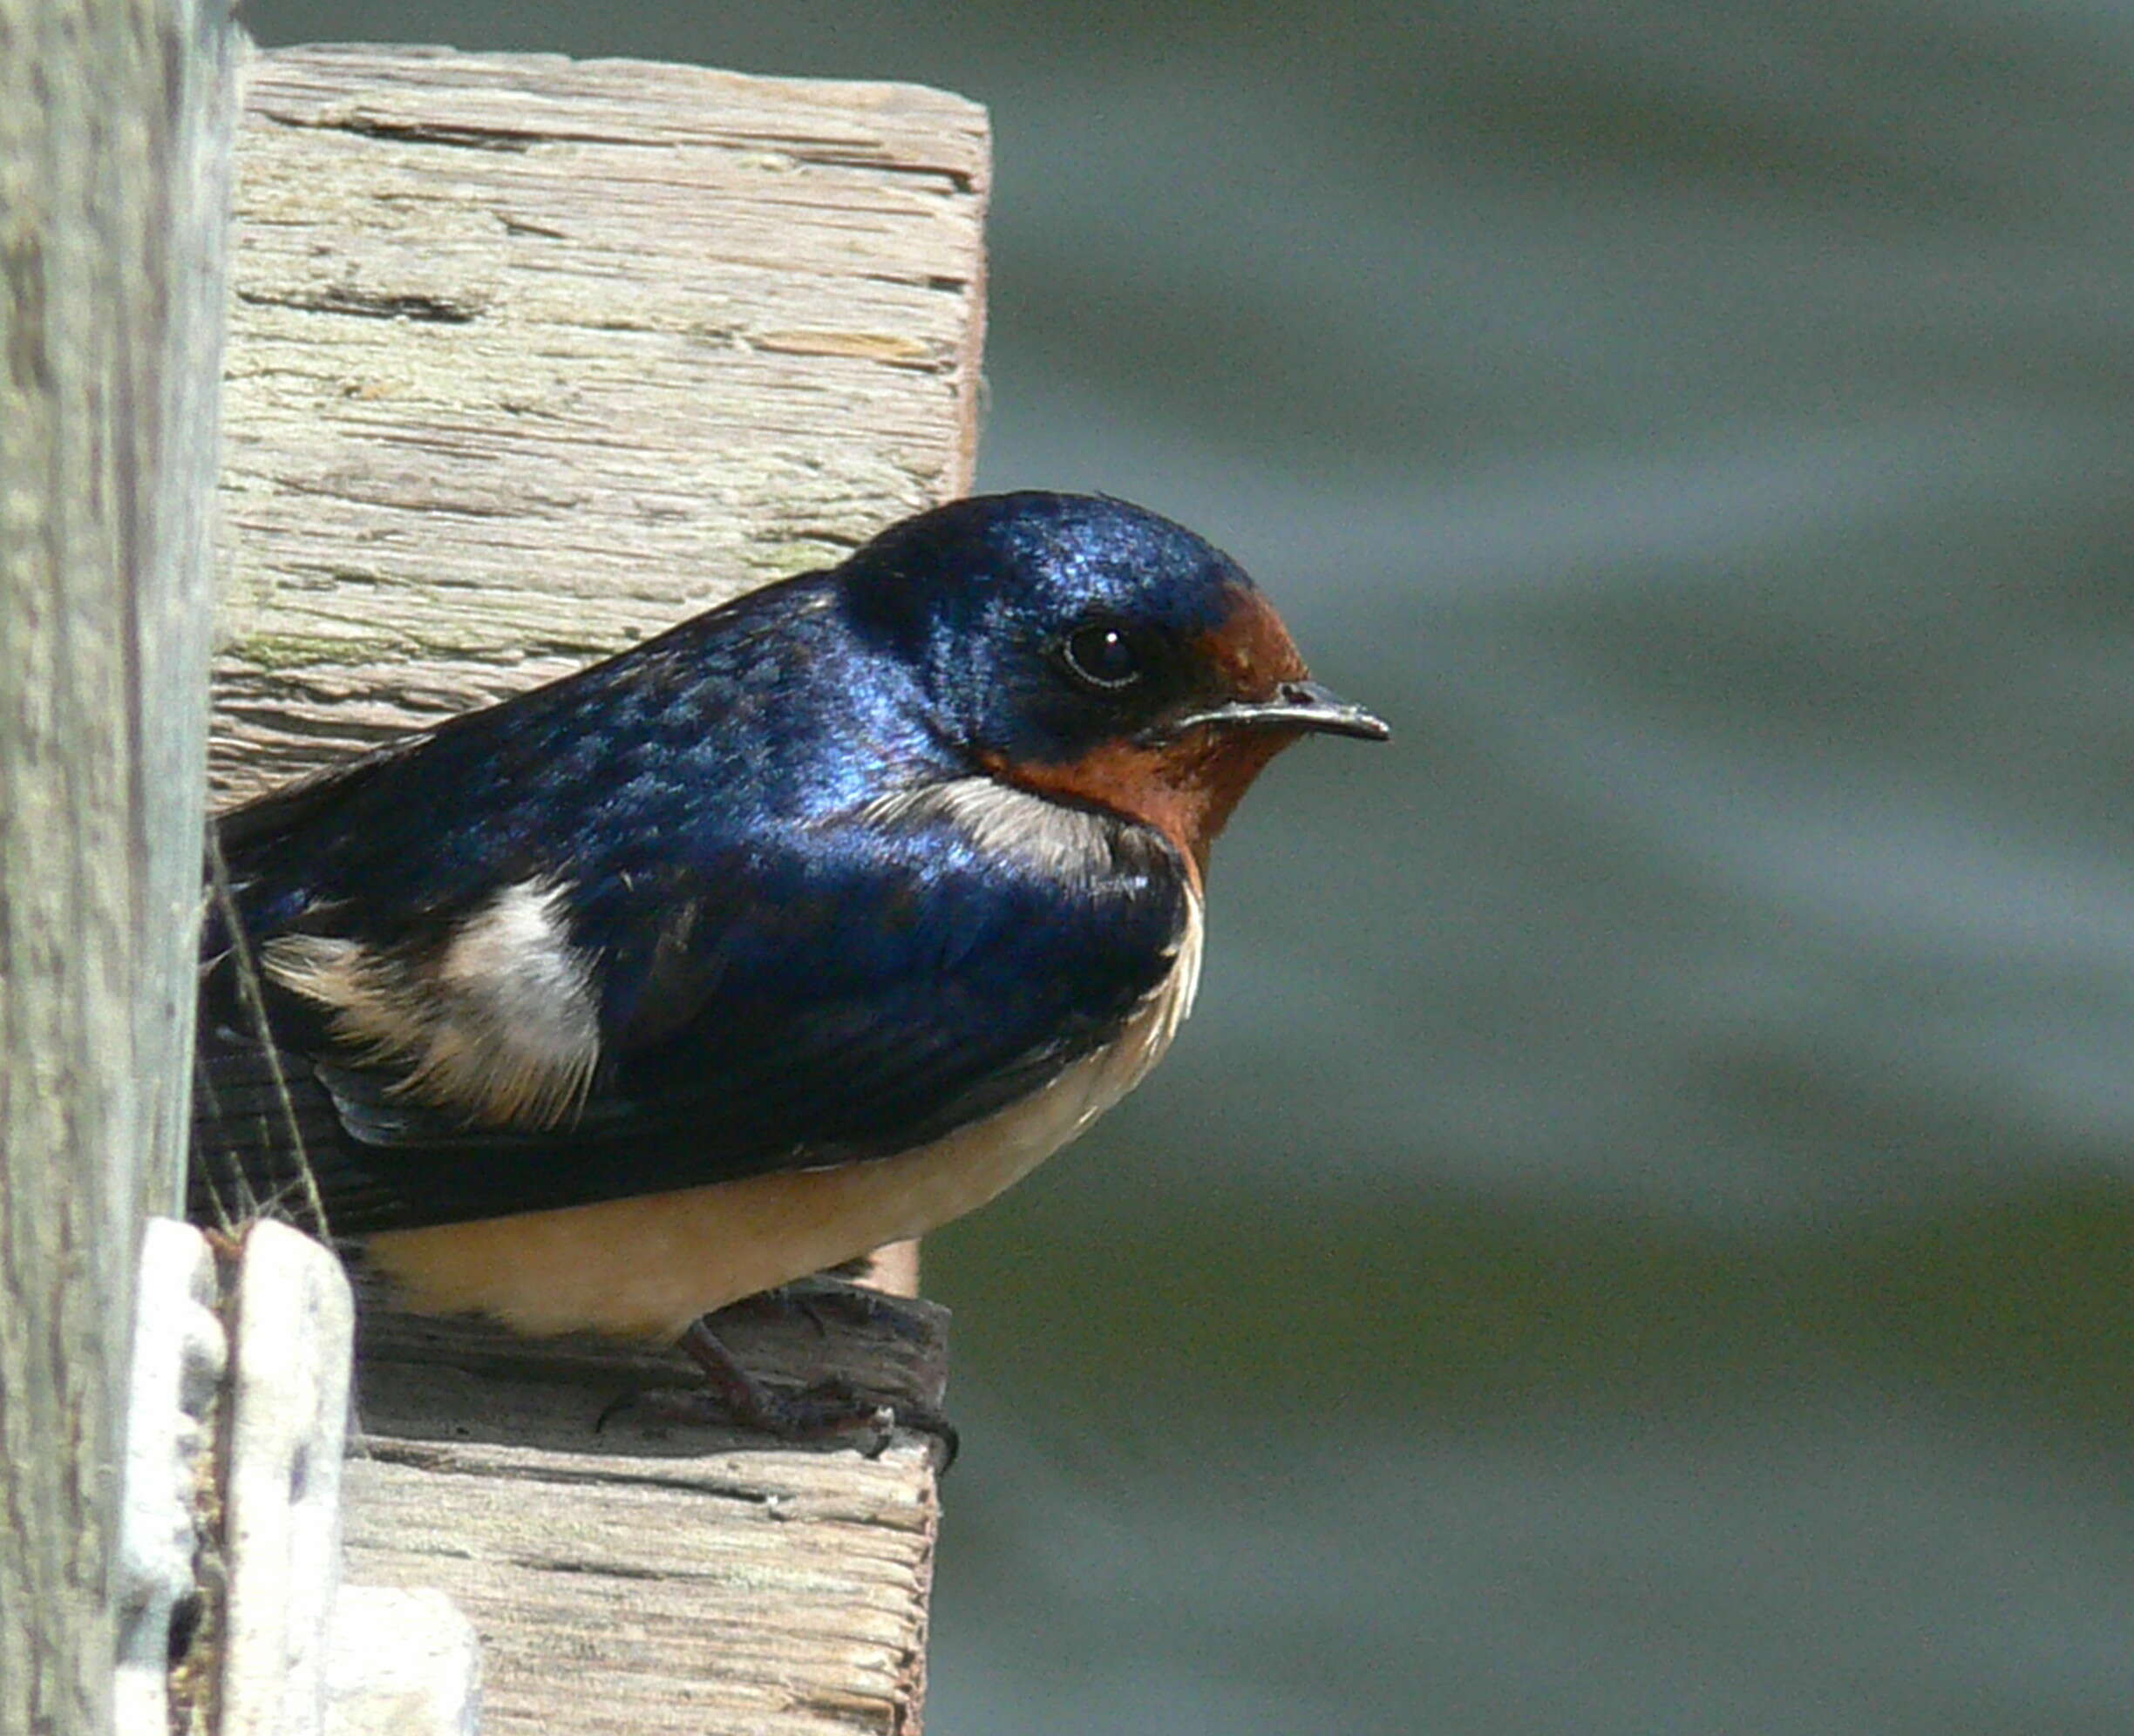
[(502, 1025)]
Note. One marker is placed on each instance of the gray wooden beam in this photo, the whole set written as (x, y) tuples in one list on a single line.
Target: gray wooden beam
[(113, 149)]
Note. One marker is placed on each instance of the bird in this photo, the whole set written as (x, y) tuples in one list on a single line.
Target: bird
[(798, 930)]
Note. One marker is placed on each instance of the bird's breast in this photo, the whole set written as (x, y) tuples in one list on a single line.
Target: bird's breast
[(647, 1267)]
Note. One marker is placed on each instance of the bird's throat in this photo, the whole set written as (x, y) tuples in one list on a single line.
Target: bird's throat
[(1185, 790)]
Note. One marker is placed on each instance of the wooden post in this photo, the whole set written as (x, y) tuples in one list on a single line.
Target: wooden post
[(531, 358), (113, 153)]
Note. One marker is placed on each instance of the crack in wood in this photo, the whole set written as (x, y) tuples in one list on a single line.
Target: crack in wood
[(369, 305), (410, 132)]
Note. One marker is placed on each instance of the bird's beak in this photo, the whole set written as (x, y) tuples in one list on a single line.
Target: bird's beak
[(1296, 705)]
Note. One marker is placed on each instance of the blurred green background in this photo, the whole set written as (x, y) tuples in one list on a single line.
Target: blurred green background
[(1637, 1237)]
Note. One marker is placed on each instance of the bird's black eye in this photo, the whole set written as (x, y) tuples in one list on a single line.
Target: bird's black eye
[(1105, 655)]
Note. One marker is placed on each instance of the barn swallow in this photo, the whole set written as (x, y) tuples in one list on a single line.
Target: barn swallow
[(798, 930)]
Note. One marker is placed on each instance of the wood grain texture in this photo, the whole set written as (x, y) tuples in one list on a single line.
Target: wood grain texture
[(114, 126), (530, 359), (747, 1593)]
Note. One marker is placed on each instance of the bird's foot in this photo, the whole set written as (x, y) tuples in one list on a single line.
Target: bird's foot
[(834, 1409)]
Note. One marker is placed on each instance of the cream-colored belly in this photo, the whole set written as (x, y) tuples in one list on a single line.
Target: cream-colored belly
[(647, 1267)]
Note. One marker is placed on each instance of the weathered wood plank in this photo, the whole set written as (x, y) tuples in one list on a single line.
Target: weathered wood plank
[(530, 359), (744, 1591), (114, 126)]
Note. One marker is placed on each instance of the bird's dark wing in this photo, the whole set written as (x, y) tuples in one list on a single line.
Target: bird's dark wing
[(810, 995)]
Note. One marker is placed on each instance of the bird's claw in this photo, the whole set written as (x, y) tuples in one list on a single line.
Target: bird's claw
[(828, 1410)]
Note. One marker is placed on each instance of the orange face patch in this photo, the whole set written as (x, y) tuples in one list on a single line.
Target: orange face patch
[(1252, 651), (1186, 788)]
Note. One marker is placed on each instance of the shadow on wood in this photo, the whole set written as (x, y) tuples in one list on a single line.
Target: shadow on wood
[(464, 1381), (643, 1576)]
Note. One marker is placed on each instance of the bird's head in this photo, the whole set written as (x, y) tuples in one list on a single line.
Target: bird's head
[(1096, 653)]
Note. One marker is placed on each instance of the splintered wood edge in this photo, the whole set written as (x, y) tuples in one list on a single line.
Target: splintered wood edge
[(293, 1317), (181, 1353)]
